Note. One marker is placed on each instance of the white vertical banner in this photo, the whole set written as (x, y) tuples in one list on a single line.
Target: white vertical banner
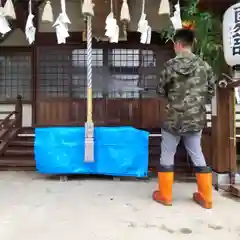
[(237, 94), (214, 103), (231, 35)]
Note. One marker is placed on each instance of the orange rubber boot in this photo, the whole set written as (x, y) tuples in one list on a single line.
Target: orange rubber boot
[(203, 196), (165, 181)]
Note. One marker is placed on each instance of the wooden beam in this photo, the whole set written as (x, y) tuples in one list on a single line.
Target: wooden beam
[(210, 5), (233, 84), (21, 14), (223, 132)]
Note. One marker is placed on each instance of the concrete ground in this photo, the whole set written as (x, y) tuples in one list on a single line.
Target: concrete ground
[(33, 207)]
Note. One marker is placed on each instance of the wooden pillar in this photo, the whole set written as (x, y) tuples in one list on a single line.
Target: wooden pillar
[(19, 111), (223, 131)]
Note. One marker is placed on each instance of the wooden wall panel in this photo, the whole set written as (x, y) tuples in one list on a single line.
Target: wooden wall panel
[(79, 111), (123, 112), (152, 113), (210, 5), (53, 112), (106, 112)]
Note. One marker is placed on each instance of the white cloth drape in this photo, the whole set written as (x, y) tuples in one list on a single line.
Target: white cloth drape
[(144, 28), (61, 24), (176, 18), (4, 25), (30, 30), (112, 28)]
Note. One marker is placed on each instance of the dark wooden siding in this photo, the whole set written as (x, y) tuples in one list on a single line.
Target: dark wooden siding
[(142, 113), (61, 85)]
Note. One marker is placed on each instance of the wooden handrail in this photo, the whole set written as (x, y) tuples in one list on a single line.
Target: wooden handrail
[(228, 82), (9, 128), (5, 121), (18, 111), (18, 115), (233, 84)]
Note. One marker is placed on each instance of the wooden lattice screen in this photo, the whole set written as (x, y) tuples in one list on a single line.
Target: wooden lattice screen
[(15, 75), (124, 73)]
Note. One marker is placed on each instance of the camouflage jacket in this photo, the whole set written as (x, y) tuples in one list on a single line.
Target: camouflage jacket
[(188, 84)]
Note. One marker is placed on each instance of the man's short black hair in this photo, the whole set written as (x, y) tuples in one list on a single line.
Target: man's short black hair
[(185, 36)]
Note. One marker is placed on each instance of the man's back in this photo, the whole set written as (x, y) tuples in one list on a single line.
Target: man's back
[(188, 84), (188, 88)]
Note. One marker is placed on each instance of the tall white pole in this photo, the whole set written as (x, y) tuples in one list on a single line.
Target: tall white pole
[(89, 126)]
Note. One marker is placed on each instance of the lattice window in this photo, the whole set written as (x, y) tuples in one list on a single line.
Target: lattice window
[(149, 74), (63, 72), (148, 58), (79, 73), (54, 72), (15, 76), (124, 86), (125, 58), (149, 84), (124, 71), (79, 58)]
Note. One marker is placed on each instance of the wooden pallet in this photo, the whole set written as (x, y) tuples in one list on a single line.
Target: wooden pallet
[(65, 178), (151, 175)]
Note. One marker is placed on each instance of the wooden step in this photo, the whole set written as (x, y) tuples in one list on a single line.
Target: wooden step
[(26, 135), (24, 138), (22, 143), (27, 130), (19, 151), (18, 168), (17, 163)]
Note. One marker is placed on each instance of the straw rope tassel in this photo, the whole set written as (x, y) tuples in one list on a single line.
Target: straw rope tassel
[(87, 8), (47, 15), (164, 7), (63, 6), (9, 10), (111, 6), (89, 69), (1, 7), (125, 14), (143, 7)]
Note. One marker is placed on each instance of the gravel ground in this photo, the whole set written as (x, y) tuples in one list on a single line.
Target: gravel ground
[(33, 207)]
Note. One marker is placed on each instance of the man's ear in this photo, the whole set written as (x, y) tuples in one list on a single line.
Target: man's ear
[(179, 45)]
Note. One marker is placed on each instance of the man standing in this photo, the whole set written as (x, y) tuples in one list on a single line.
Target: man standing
[(187, 82)]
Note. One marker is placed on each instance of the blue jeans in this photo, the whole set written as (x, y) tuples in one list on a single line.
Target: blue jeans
[(192, 142)]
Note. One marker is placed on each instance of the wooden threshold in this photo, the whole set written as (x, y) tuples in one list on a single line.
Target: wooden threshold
[(231, 189), (235, 190)]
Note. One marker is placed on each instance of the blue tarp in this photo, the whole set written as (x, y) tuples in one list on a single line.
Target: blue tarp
[(118, 151)]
